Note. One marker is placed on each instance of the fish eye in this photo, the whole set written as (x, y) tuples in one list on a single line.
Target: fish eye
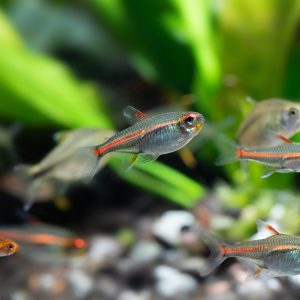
[(189, 120), (10, 247), (293, 112), (185, 228)]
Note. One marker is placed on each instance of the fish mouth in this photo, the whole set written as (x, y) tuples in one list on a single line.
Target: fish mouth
[(199, 126)]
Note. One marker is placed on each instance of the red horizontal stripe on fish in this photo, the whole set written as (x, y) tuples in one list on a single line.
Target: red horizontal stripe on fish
[(244, 153), (286, 247), (227, 251), (161, 125), (37, 238), (101, 150)]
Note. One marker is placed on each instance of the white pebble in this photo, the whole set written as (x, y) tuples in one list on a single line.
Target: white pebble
[(173, 284), (168, 226)]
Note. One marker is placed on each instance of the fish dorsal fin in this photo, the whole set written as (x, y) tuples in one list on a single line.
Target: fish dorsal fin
[(263, 225), (281, 137), (267, 172), (60, 136), (133, 115), (284, 139)]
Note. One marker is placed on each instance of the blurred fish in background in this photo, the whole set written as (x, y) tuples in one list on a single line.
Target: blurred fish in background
[(276, 255), (7, 146), (44, 242), (62, 166), (284, 158), (269, 116)]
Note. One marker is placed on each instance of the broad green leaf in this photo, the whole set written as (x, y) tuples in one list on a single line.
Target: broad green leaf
[(47, 87), (8, 35), (163, 181)]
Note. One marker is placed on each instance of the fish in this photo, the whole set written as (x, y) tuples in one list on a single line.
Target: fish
[(278, 115), (46, 244), (66, 160), (44, 235), (61, 167), (276, 255), (284, 158), (150, 136), (8, 247)]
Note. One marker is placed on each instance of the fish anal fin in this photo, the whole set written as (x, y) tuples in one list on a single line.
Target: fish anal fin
[(141, 158), (263, 225), (145, 158), (133, 115), (267, 172)]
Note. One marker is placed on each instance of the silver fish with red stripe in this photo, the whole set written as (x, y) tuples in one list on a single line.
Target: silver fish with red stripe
[(276, 255), (284, 158), (152, 135)]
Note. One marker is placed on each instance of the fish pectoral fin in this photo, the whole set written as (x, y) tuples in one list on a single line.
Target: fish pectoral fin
[(268, 273), (263, 225), (187, 157), (132, 161), (257, 272), (251, 264), (268, 171), (133, 115)]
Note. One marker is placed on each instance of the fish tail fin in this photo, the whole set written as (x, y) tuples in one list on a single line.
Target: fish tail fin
[(24, 171), (216, 256), (228, 149)]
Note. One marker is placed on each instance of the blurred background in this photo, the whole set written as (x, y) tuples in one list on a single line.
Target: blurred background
[(66, 65)]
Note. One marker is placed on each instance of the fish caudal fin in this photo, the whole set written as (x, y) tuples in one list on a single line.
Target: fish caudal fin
[(228, 150), (216, 256), (24, 171)]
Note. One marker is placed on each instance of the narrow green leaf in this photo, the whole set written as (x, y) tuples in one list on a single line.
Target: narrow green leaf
[(158, 179)]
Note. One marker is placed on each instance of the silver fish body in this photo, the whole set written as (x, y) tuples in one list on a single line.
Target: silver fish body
[(280, 253), (276, 255), (268, 116), (282, 158), (154, 135)]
